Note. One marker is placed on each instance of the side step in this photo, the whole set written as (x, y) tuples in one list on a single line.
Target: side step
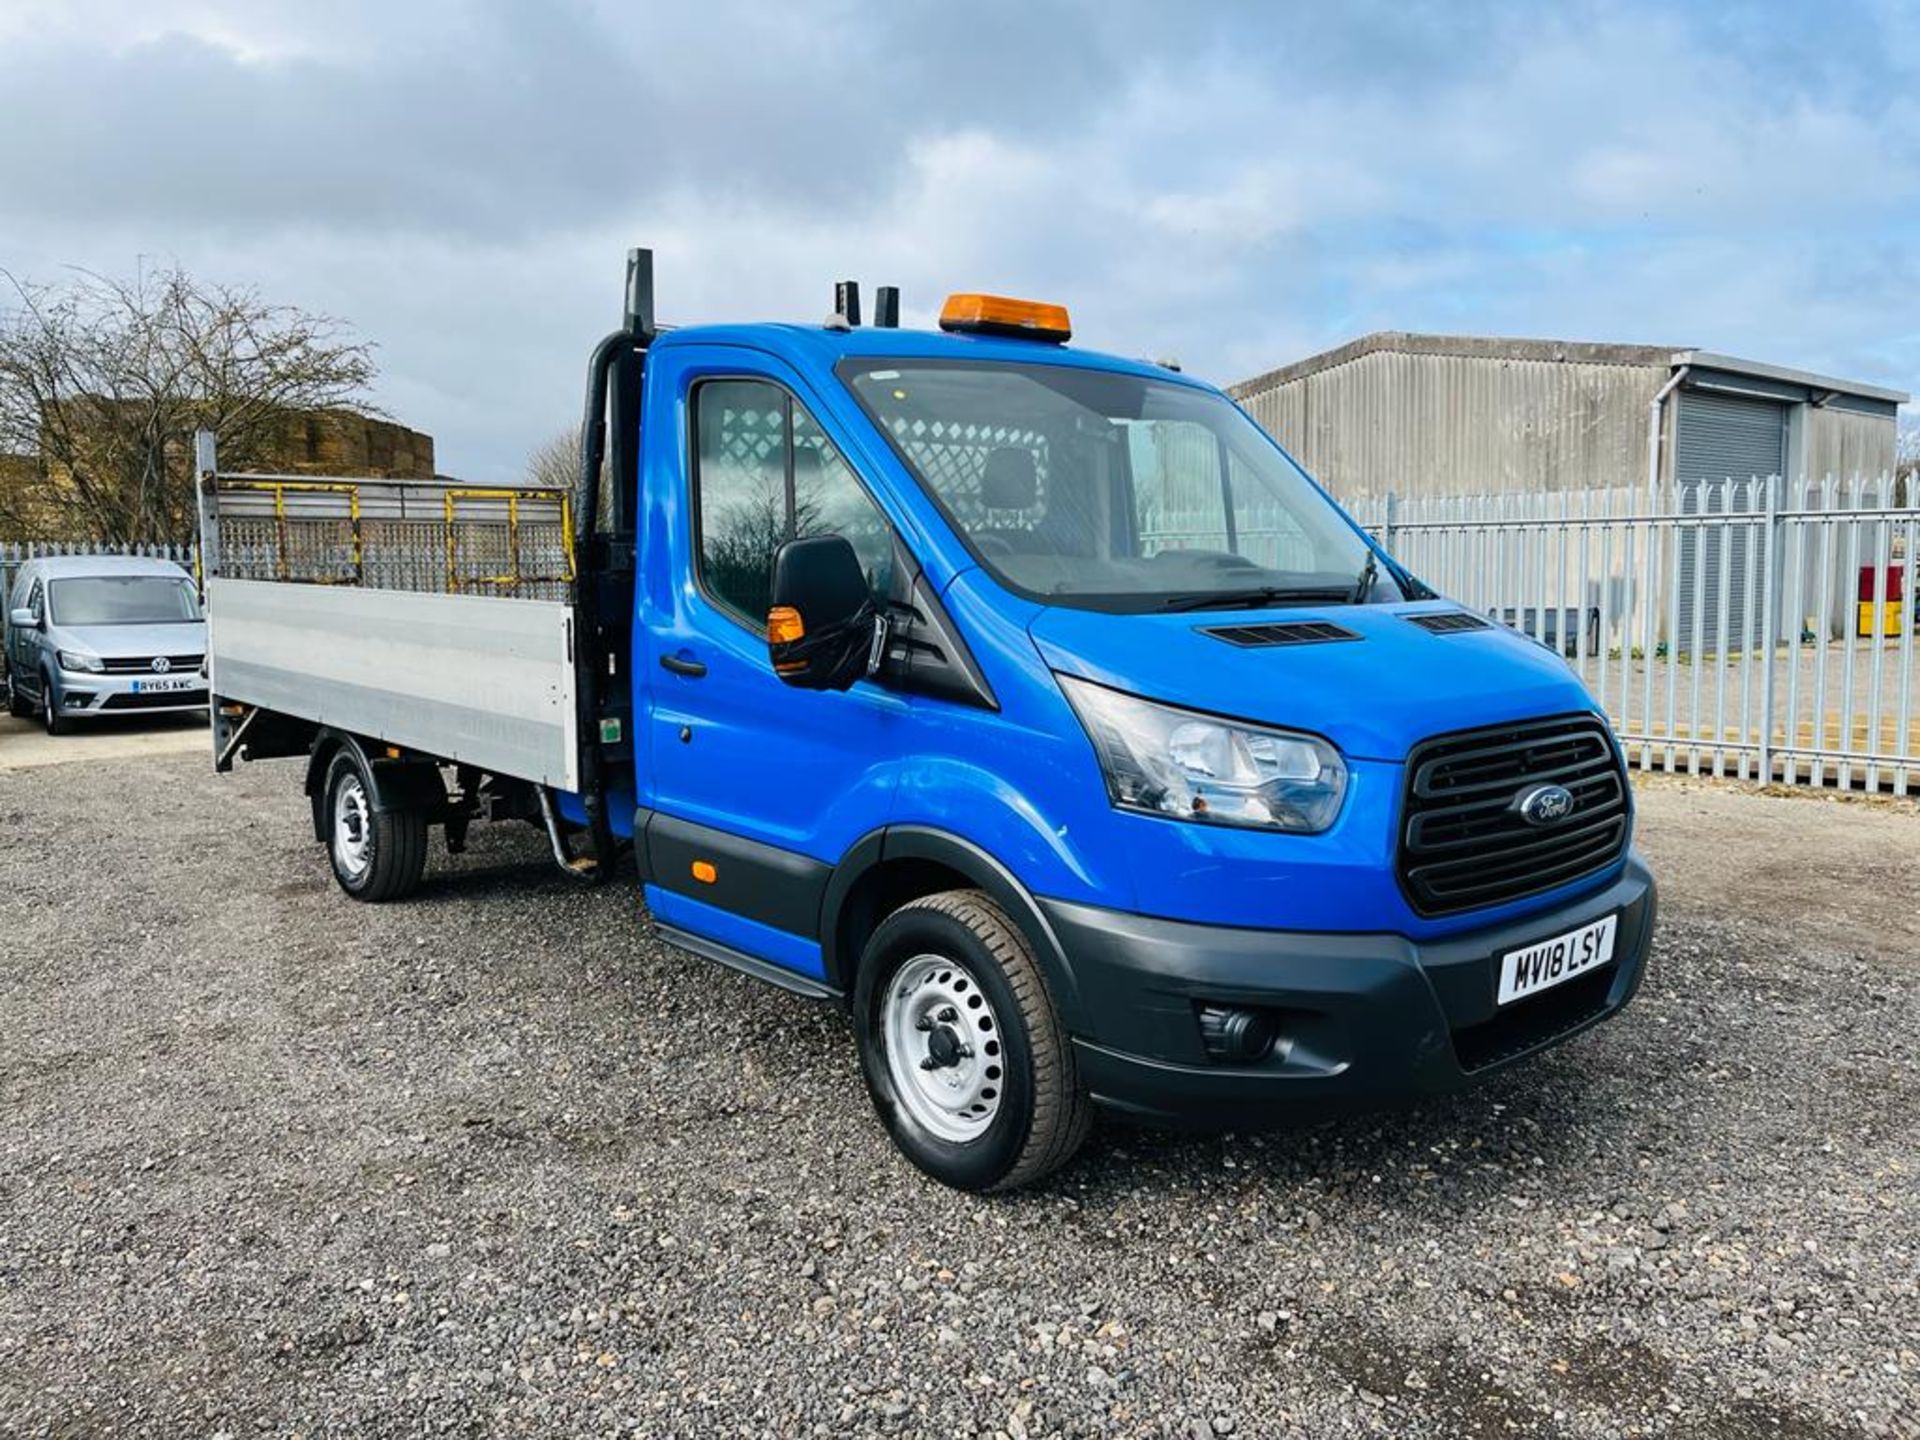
[(747, 964)]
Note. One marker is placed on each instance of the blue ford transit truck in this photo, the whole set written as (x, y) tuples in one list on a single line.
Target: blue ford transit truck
[(1031, 705)]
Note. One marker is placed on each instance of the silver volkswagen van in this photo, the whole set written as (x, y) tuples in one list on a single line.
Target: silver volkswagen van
[(91, 635)]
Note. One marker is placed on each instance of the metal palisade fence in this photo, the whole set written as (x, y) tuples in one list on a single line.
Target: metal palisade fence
[(1762, 628)]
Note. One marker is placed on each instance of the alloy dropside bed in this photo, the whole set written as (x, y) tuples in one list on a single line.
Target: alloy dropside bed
[(424, 614)]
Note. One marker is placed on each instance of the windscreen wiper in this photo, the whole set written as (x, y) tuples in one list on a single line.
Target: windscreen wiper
[(1369, 573), (1260, 595)]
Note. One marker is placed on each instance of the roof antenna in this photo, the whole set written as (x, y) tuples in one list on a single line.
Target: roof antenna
[(638, 319), (886, 307), (846, 302)]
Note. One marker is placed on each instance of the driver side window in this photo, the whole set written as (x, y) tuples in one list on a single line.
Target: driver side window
[(764, 473)]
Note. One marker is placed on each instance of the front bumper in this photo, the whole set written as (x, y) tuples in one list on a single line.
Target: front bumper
[(1367, 1020), (85, 694)]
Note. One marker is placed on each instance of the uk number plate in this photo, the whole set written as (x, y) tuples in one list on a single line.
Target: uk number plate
[(1547, 963), (154, 687)]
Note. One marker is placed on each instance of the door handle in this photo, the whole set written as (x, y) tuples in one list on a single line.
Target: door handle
[(683, 665)]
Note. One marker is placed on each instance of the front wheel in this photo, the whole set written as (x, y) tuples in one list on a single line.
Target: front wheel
[(377, 854), (965, 1056)]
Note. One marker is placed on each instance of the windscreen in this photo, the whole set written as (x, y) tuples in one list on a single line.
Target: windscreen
[(1114, 491), (123, 600)]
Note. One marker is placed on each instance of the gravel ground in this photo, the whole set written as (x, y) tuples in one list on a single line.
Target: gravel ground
[(495, 1162)]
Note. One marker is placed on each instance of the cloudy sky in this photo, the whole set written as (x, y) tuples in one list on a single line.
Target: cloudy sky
[(1237, 185)]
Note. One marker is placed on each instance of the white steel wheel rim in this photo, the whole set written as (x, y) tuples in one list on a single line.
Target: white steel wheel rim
[(945, 1052), (352, 828)]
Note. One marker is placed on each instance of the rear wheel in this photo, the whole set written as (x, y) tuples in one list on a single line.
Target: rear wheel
[(57, 724), (376, 854), (965, 1056), (18, 705)]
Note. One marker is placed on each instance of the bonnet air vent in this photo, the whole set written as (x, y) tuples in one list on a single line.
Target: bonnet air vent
[(1449, 622), (1290, 632)]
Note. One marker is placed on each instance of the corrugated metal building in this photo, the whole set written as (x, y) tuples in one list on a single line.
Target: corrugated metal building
[(1462, 415)]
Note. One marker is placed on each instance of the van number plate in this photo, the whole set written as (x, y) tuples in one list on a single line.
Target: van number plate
[(154, 687), (1546, 963)]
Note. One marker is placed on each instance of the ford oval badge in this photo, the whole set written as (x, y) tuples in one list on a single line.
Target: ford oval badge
[(1546, 805)]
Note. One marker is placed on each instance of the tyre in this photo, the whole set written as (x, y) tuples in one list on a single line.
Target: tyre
[(377, 855), (964, 1053), (57, 724), (18, 705)]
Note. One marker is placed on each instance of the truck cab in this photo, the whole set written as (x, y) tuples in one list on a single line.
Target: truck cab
[(1034, 707)]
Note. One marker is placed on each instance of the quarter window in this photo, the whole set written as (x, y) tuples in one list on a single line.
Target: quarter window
[(765, 473)]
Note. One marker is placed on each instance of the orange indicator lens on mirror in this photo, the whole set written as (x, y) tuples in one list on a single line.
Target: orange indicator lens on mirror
[(784, 625), (704, 872)]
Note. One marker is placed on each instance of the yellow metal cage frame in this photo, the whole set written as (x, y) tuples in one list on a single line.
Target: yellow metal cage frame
[(451, 499), (515, 578)]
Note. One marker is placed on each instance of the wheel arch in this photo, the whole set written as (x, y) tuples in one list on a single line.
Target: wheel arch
[(896, 865), (326, 744), (397, 783)]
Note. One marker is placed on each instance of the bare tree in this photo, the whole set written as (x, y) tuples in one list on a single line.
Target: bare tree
[(555, 465), (555, 462), (103, 382)]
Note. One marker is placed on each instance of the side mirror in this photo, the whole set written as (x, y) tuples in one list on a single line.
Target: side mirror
[(23, 619), (822, 625)]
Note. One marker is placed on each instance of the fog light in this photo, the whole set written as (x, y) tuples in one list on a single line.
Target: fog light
[(1235, 1036)]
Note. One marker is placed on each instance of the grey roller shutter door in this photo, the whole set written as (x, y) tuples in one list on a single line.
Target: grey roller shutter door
[(1720, 439), (1729, 437)]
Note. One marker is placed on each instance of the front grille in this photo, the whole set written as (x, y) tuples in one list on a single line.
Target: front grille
[(1463, 843), (1528, 1024), (158, 700), (143, 665), (1286, 632)]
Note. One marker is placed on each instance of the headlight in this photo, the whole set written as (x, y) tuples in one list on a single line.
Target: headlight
[(71, 661), (1199, 767)]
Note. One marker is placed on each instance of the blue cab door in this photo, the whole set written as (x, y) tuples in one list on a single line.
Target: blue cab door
[(751, 789)]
